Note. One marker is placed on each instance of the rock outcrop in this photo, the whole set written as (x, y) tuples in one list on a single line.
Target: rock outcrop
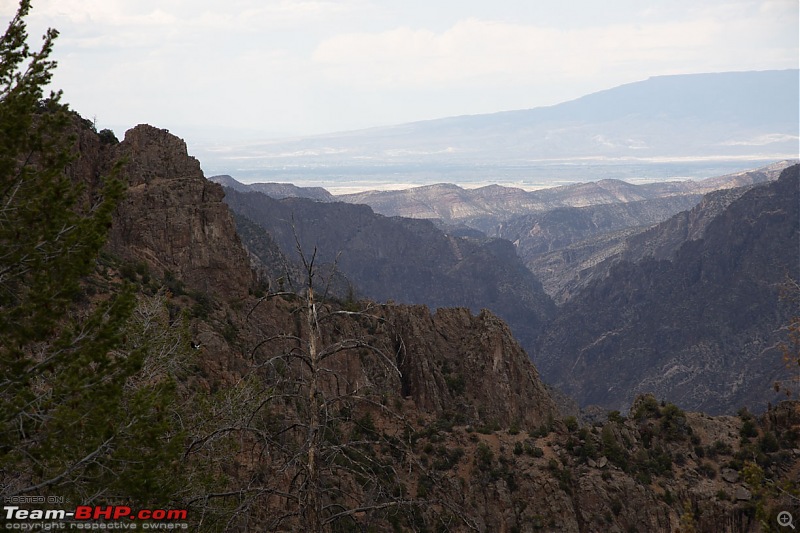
[(483, 440), (456, 362), (174, 219)]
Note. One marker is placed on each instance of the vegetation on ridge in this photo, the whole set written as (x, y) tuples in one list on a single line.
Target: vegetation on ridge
[(76, 417), (124, 384)]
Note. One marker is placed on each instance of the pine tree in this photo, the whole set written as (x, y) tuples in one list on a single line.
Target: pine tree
[(75, 417)]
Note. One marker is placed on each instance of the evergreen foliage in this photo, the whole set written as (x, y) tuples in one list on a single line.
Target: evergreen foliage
[(76, 417)]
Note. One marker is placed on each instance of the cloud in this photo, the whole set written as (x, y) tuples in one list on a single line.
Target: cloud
[(496, 53), (324, 65), (409, 57), (114, 13), (238, 15)]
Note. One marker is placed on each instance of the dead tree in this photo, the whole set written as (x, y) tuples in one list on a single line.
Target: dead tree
[(322, 439)]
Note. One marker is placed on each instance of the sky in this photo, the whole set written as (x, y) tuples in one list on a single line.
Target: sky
[(211, 70)]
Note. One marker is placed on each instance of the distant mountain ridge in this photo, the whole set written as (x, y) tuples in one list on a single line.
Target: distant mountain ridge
[(560, 233), (275, 190), (453, 203), (733, 115)]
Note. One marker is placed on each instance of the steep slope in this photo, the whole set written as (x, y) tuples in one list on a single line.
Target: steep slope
[(167, 186), (568, 253), (405, 260), (481, 446), (662, 241), (562, 233), (173, 219), (554, 244), (181, 227), (566, 248), (701, 329)]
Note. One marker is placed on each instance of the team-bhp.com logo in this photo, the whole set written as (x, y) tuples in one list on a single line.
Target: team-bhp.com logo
[(93, 517)]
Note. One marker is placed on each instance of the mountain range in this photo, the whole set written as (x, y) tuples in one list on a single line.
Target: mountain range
[(453, 203), (175, 354), (666, 125), (645, 231), (560, 233), (459, 431)]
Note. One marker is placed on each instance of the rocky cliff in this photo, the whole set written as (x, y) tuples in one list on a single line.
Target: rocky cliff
[(441, 379), (482, 446), (568, 258), (562, 245), (174, 219), (561, 233), (662, 241), (700, 329), (405, 260)]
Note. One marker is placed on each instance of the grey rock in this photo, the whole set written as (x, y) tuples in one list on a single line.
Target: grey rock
[(730, 475), (677, 319)]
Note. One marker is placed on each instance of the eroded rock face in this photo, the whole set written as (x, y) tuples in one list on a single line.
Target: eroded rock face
[(700, 329), (404, 260), (452, 361), (154, 154), (459, 362), (173, 219)]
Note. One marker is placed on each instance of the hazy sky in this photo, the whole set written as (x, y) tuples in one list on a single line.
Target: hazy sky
[(297, 67)]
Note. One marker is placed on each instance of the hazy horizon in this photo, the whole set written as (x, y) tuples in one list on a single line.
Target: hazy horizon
[(338, 182), (246, 69)]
